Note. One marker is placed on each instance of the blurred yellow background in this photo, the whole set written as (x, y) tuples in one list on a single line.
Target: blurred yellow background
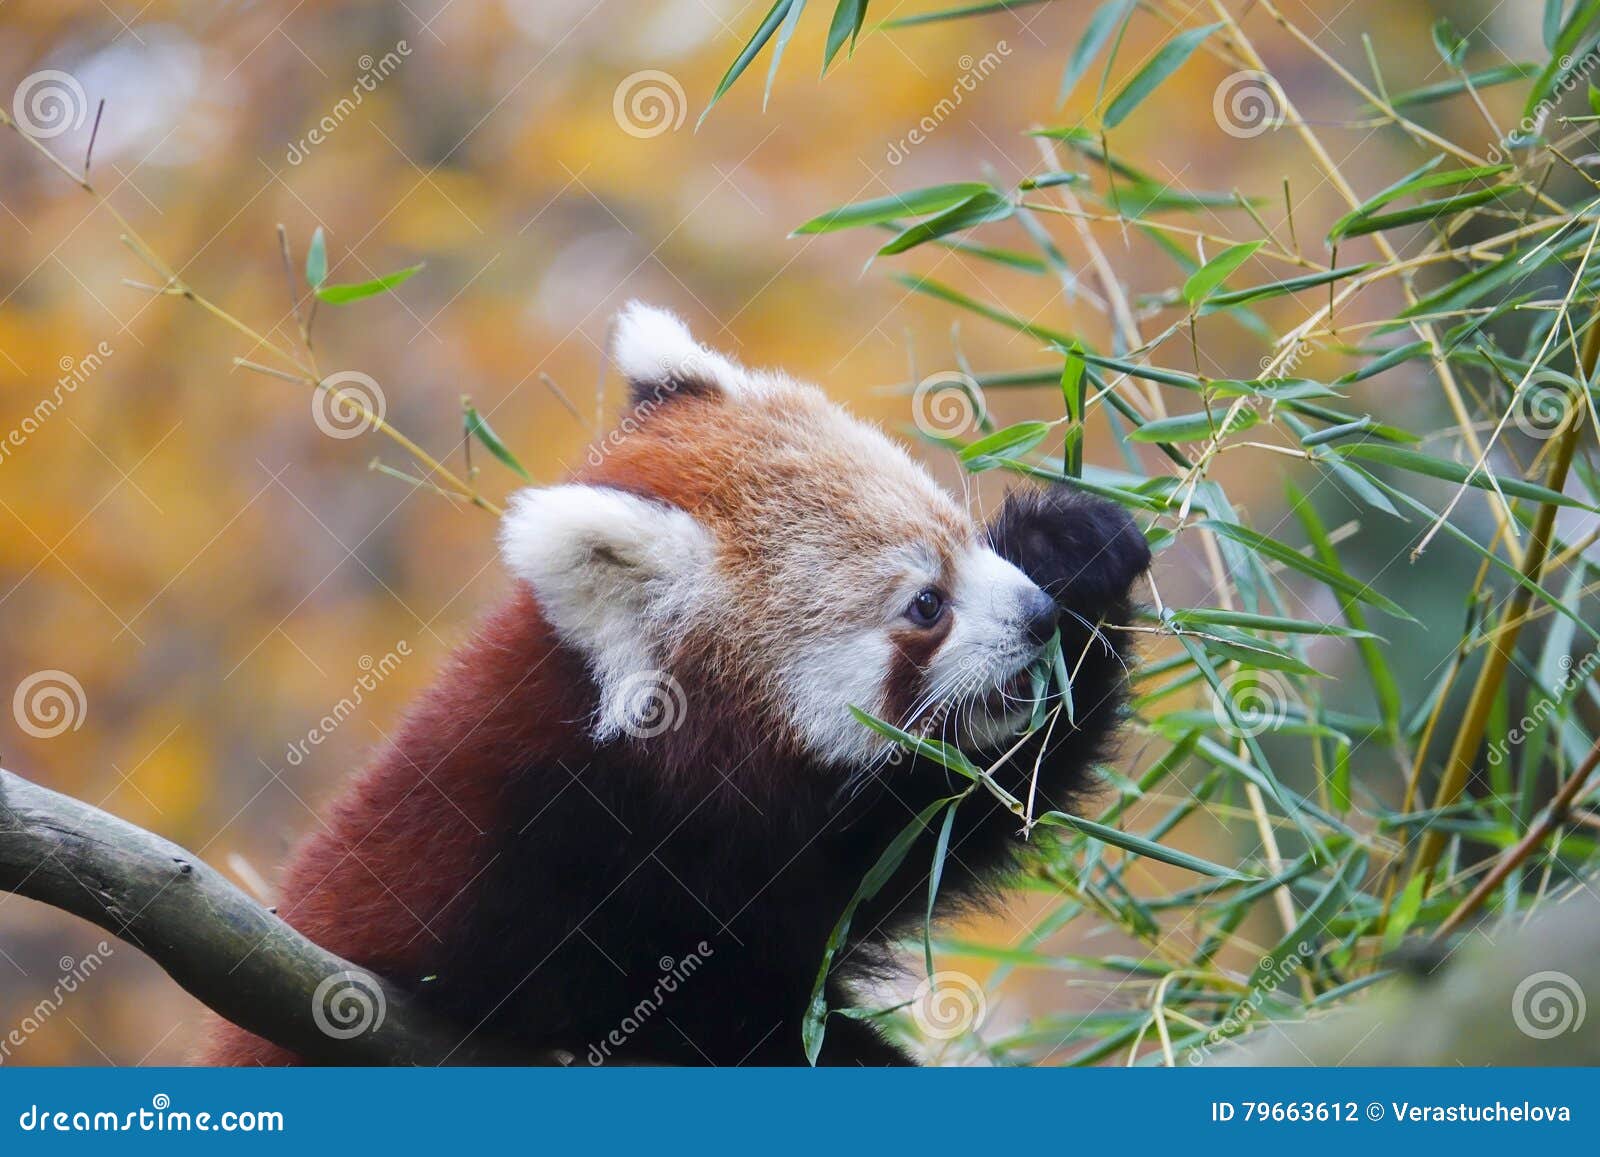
[(182, 539)]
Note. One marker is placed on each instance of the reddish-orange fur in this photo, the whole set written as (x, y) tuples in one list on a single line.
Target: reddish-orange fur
[(387, 873)]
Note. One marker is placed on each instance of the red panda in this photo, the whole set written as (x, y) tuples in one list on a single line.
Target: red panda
[(648, 752)]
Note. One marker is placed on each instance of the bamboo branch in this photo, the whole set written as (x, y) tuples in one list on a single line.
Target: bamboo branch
[(222, 947)]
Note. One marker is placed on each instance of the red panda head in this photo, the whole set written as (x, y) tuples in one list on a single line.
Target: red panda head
[(746, 543)]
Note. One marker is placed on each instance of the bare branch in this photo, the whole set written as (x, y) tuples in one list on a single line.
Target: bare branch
[(225, 949)]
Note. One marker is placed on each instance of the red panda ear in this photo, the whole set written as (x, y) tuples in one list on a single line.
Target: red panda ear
[(660, 358), (618, 576)]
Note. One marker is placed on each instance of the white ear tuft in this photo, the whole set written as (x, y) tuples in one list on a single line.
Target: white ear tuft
[(655, 350), (618, 576)]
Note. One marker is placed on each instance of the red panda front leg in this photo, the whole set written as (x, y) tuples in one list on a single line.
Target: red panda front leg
[(1086, 553)]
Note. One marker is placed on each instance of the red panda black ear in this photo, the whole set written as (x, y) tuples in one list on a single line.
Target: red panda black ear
[(660, 359), (618, 576)]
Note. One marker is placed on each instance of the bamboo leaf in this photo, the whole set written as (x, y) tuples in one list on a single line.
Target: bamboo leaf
[(975, 210), (815, 1023), (1139, 846), (991, 451), (477, 426), (1329, 576), (917, 203), (341, 294), (1205, 280), (1162, 65), (758, 40), (847, 20), (1419, 463), (1101, 26), (317, 259)]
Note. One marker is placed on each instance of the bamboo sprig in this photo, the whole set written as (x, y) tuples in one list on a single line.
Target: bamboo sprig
[(303, 372)]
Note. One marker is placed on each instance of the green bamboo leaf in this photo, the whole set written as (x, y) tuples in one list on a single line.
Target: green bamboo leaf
[(763, 33), (1210, 276), (1335, 433), (975, 210), (1139, 846), (477, 426), (847, 20), (815, 1023), (960, 13), (1388, 360), (994, 449), (1192, 427), (1101, 26), (1419, 463), (942, 292), (935, 749), (341, 294), (1419, 180), (1162, 65), (1313, 922), (1450, 44), (1074, 394), (317, 259), (935, 874), (785, 32), (1279, 288), (1487, 78), (1428, 211), (1216, 616), (1148, 373), (1329, 576), (917, 203)]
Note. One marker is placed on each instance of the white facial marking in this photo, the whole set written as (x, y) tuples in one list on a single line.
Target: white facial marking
[(824, 680), (620, 579)]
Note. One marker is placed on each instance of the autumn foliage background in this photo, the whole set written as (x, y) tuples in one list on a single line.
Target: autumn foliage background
[(217, 572)]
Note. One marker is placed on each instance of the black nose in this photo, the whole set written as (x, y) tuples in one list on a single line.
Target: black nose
[(1039, 616)]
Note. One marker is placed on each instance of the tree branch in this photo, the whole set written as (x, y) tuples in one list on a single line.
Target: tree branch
[(222, 947)]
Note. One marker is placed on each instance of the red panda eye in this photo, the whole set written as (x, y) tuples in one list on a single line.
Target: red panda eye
[(926, 607)]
